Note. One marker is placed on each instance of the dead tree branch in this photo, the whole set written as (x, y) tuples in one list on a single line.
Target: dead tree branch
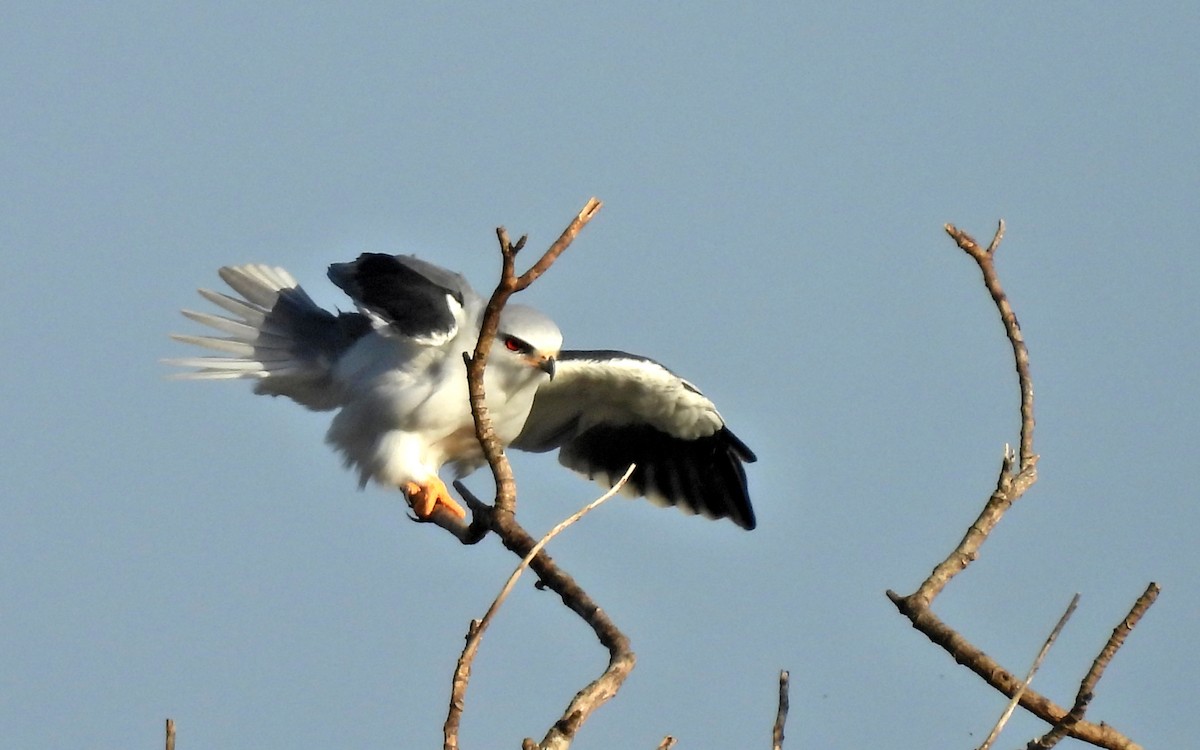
[(1087, 687), (1018, 472), (501, 518), (781, 713), (462, 670), (510, 284), (1037, 663)]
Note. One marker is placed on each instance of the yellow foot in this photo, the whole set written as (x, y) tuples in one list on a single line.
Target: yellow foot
[(425, 498)]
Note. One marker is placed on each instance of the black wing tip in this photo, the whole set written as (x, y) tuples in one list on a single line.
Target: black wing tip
[(734, 493), (736, 445), (705, 476), (749, 523)]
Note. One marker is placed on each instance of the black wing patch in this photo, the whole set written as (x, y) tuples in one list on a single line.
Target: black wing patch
[(704, 476), (607, 409), (408, 294)]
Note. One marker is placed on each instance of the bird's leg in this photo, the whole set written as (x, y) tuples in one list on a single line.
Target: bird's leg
[(424, 498)]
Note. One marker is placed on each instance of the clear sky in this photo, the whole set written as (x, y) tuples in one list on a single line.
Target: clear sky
[(775, 181)]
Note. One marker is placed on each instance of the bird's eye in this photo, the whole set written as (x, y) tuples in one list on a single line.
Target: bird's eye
[(513, 345)]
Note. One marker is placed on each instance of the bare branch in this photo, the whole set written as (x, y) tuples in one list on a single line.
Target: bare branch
[(1018, 472), (995, 243), (1012, 328), (1010, 486), (462, 671), (564, 240), (1008, 490), (1087, 687), (510, 283), (621, 659), (1037, 663), (781, 713), (973, 658), (502, 520), (170, 734), (512, 579), (667, 743), (467, 533)]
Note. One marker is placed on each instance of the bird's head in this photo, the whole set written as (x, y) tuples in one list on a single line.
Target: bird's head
[(528, 339)]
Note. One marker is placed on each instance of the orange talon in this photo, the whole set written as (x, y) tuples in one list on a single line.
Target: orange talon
[(425, 499)]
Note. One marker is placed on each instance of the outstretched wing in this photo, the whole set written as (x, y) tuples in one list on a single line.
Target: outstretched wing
[(278, 336), (404, 295), (606, 409)]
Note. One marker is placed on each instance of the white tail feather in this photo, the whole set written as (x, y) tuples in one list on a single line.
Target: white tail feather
[(230, 346), (205, 374), (247, 366), (225, 325), (277, 336), (251, 314)]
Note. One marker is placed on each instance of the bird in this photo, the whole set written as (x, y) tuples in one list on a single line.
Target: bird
[(393, 370)]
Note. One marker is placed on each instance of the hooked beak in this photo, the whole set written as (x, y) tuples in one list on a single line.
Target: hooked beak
[(546, 365)]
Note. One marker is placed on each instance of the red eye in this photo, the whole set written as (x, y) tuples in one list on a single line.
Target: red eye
[(512, 345)]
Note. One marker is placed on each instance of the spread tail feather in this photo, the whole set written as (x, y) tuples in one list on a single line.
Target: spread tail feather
[(279, 337)]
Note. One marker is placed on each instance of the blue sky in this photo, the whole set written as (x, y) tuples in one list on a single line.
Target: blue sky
[(775, 181)]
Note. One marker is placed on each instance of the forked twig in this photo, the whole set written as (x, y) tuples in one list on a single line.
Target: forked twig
[(501, 518), (985, 258), (510, 283), (1018, 472), (462, 670)]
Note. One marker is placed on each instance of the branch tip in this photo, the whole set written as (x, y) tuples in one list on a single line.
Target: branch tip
[(995, 243), (1037, 663), (500, 518), (1018, 473), (781, 712)]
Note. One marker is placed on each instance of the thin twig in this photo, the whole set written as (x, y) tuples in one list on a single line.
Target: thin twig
[(510, 283), (512, 579), (1012, 328), (1087, 687), (586, 214), (621, 659), (170, 734), (780, 713), (990, 671), (667, 743), (462, 671), (1010, 485), (1037, 663)]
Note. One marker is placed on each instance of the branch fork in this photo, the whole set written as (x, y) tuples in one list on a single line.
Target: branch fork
[(500, 518), (1018, 472)]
